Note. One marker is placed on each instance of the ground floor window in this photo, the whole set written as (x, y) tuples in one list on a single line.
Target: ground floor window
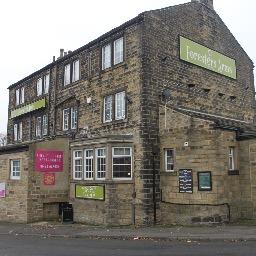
[(122, 162), (15, 170), (88, 164), (101, 163), (169, 159), (91, 163), (78, 165)]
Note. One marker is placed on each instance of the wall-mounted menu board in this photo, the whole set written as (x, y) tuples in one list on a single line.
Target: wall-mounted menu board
[(185, 181)]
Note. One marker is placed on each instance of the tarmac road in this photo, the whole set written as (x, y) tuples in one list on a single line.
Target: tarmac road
[(27, 245)]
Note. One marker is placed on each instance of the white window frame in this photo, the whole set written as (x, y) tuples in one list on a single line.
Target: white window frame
[(231, 159), (20, 132), (65, 119), (106, 56), (73, 118), (67, 69), (45, 125), (17, 96), (39, 87), (14, 171), (39, 127), (88, 168), (76, 71), (120, 156), (74, 164), (97, 157), (46, 83), (22, 95), (107, 106), (120, 105), (15, 132), (118, 50), (166, 159)]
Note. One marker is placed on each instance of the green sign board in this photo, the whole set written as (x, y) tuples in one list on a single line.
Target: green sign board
[(204, 181), (204, 57), (95, 192), (28, 108)]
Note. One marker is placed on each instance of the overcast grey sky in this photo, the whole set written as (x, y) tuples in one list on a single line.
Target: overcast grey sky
[(32, 31)]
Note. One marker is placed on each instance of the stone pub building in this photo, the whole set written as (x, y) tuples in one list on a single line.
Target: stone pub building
[(152, 122)]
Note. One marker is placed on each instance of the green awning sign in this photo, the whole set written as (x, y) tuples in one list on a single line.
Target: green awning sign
[(28, 108), (95, 192), (204, 57)]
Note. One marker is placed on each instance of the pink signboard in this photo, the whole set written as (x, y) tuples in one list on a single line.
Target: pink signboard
[(49, 161), (2, 190)]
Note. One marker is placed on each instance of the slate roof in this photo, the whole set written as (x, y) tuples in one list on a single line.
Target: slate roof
[(244, 130)]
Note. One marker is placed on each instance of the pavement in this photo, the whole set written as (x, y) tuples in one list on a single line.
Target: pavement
[(223, 232)]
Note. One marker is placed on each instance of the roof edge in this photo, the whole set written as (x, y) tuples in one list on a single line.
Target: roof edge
[(128, 23)]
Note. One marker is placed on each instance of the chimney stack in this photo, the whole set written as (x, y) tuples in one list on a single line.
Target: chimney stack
[(208, 3), (61, 53), (53, 58)]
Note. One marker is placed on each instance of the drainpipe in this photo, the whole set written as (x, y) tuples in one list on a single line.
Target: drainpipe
[(154, 184), (54, 100)]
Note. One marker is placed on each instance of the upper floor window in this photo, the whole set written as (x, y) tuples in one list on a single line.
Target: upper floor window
[(15, 170), (118, 50), (46, 83), (20, 96), (39, 86), (106, 56), (67, 74), (119, 104), (109, 59), (38, 126), (45, 125), (69, 119), (72, 72), (231, 157), (65, 118), (41, 126), (107, 117), (169, 160), (76, 71), (42, 85), (17, 131)]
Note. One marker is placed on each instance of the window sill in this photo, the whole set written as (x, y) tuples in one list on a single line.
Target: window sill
[(121, 64), (233, 172), (165, 173), (86, 182), (66, 87), (113, 122)]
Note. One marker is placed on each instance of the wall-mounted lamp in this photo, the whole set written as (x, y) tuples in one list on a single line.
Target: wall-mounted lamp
[(129, 98), (166, 94)]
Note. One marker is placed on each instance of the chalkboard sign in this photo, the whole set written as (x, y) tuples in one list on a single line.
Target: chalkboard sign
[(185, 181), (204, 181)]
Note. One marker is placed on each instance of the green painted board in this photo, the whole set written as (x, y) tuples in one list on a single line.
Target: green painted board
[(28, 108), (95, 192), (202, 56)]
